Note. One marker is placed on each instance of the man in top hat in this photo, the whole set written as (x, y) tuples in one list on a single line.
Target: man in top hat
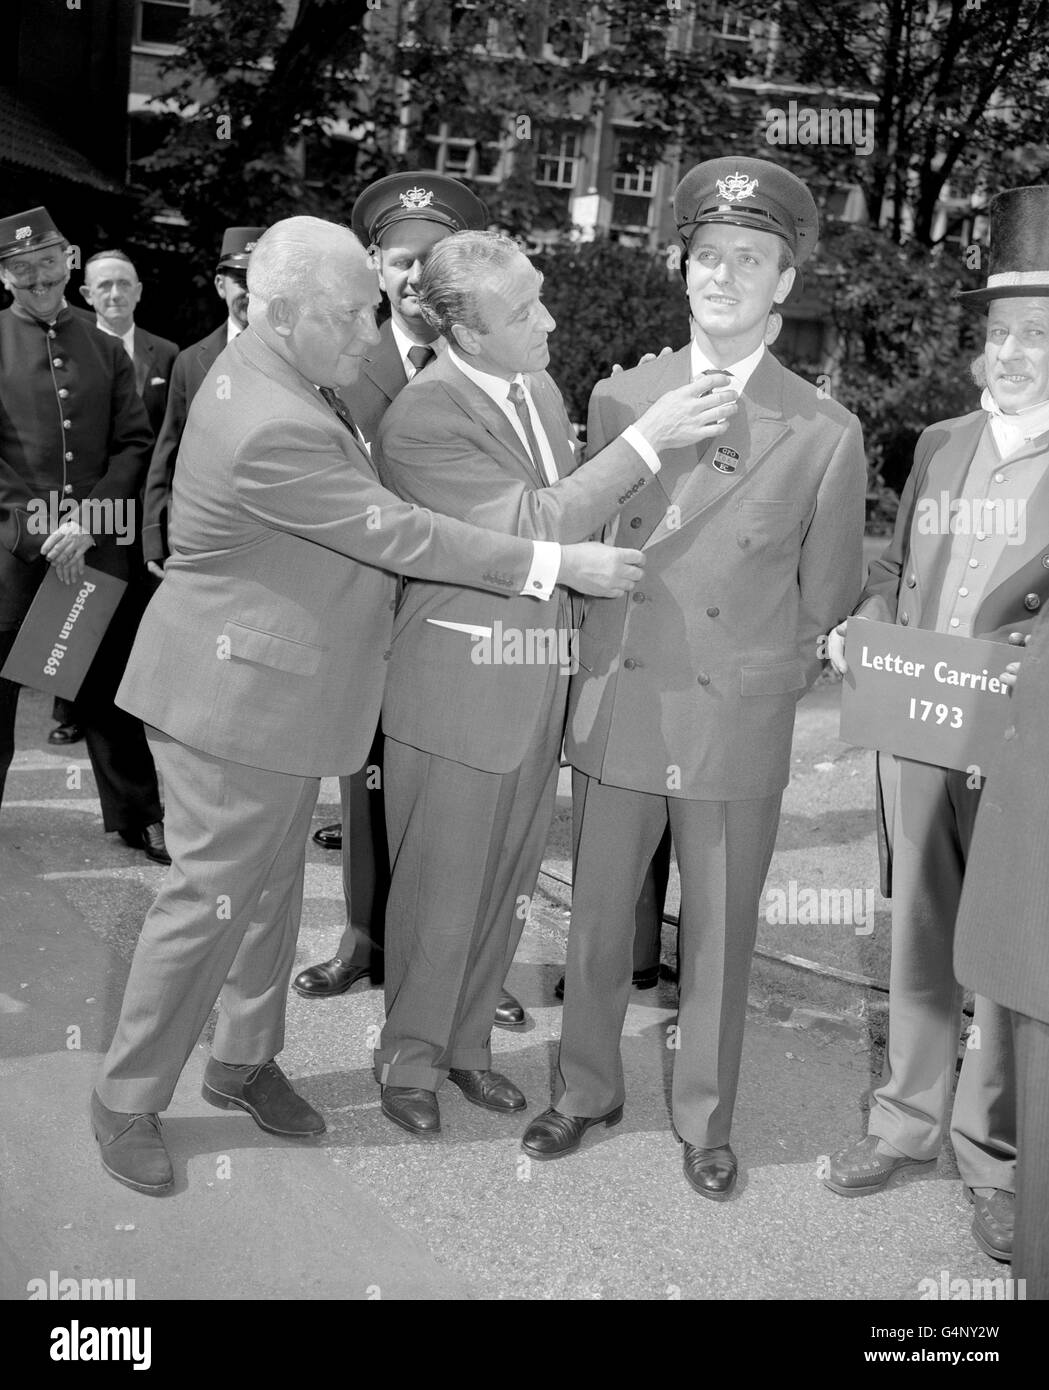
[(72, 426), (400, 219), (985, 579), (682, 710), (113, 290), (191, 367)]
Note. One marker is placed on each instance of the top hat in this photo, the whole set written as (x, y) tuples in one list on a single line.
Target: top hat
[(28, 231), (237, 246), (1019, 263), (748, 193), (419, 196)]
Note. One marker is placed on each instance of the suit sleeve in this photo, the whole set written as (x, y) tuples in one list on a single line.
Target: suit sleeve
[(880, 597), (831, 563), (156, 501), (294, 477), (15, 496), (446, 462)]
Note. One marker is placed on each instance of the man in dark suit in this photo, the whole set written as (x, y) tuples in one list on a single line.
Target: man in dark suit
[(972, 580), (477, 686), (683, 707), (1001, 944), (191, 367), (72, 427), (260, 667)]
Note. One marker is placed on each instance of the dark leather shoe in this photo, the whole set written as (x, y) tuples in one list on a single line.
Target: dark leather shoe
[(412, 1108), (861, 1169), (992, 1226), (150, 840), (131, 1148), (489, 1089), (509, 1013), (552, 1135), (62, 734), (329, 978), (265, 1093), (329, 836), (711, 1172), (641, 979)]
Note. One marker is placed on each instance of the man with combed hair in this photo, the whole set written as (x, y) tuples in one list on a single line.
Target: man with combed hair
[(259, 667), (475, 700)]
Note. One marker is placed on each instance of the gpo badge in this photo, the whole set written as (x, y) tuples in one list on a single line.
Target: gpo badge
[(725, 460)]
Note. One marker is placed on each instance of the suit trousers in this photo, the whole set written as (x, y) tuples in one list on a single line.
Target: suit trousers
[(466, 849), (723, 851), (125, 777), (930, 812), (226, 918), (365, 863), (1031, 1243)]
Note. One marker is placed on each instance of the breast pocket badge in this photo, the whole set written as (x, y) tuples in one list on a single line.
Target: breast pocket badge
[(725, 460)]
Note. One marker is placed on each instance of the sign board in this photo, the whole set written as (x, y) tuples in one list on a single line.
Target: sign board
[(61, 632)]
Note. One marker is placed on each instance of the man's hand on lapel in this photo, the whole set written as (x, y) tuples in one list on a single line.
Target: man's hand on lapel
[(604, 571)]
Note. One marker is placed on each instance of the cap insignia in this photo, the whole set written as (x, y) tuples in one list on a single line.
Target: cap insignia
[(736, 187), (250, 245), (417, 198), (22, 232)]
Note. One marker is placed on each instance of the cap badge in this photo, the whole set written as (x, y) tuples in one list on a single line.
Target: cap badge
[(22, 232), (736, 187), (726, 460), (417, 198), (250, 245)]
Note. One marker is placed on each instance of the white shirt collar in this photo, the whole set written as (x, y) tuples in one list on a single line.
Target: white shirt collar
[(495, 386), (128, 338), (233, 330), (741, 370), (1011, 432), (405, 344)]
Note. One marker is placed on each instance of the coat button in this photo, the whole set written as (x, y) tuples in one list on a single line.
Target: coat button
[(63, 392), (69, 457), (702, 678), (1045, 562), (57, 361), (67, 424), (905, 619), (51, 333), (635, 522), (68, 487), (637, 598), (1032, 602), (630, 664), (911, 581), (713, 612), (387, 654), (1010, 732)]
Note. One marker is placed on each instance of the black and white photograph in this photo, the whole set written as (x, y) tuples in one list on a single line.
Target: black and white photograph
[(524, 527)]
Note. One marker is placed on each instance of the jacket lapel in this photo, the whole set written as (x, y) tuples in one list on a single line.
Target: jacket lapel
[(480, 407), (1035, 523), (383, 366), (143, 360), (929, 553)]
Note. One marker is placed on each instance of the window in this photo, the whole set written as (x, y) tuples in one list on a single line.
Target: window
[(464, 157), (159, 22), (633, 184), (557, 158)]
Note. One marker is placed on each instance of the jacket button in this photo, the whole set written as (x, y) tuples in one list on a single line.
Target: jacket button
[(68, 487), (911, 581), (57, 361), (630, 664), (387, 654), (1045, 562), (637, 598), (1032, 602), (67, 424), (1010, 732), (51, 333), (904, 619), (63, 392), (703, 678), (635, 522), (69, 457), (713, 612)]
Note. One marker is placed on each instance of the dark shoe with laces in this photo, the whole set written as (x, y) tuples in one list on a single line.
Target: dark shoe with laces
[(265, 1093), (150, 840), (509, 1012), (992, 1226), (329, 836), (711, 1172), (412, 1108), (63, 734), (489, 1089), (329, 978), (553, 1135), (131, 1148)]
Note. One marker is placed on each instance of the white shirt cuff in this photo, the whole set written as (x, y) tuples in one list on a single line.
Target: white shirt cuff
[(637, 440), (542, 577)]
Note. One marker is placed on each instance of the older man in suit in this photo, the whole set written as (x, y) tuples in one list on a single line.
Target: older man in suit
[(1001, 946), (191, 367), (984, 579), (683, 708), (475, 701), (259, 667)]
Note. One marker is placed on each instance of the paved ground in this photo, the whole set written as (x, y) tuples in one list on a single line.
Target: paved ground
[(368, 1212)]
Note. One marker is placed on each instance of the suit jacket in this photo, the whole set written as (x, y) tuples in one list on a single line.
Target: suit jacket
[(154, 360), (75, 374), (191, 367), (1001, 942), (382, 378), (904, 582), (267, 642), (445, 444), (688, 686)]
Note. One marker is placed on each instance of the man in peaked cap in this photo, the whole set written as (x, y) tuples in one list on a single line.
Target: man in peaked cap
[(400, 219), (988, 578), (72, 426), (682, 711), (191, 367)]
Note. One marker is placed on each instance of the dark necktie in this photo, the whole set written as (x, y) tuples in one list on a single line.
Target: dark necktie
[(517, 395), (335, 401), (419, 355)]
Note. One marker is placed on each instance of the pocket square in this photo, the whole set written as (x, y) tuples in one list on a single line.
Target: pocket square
[(158, 381), (472, 628)]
